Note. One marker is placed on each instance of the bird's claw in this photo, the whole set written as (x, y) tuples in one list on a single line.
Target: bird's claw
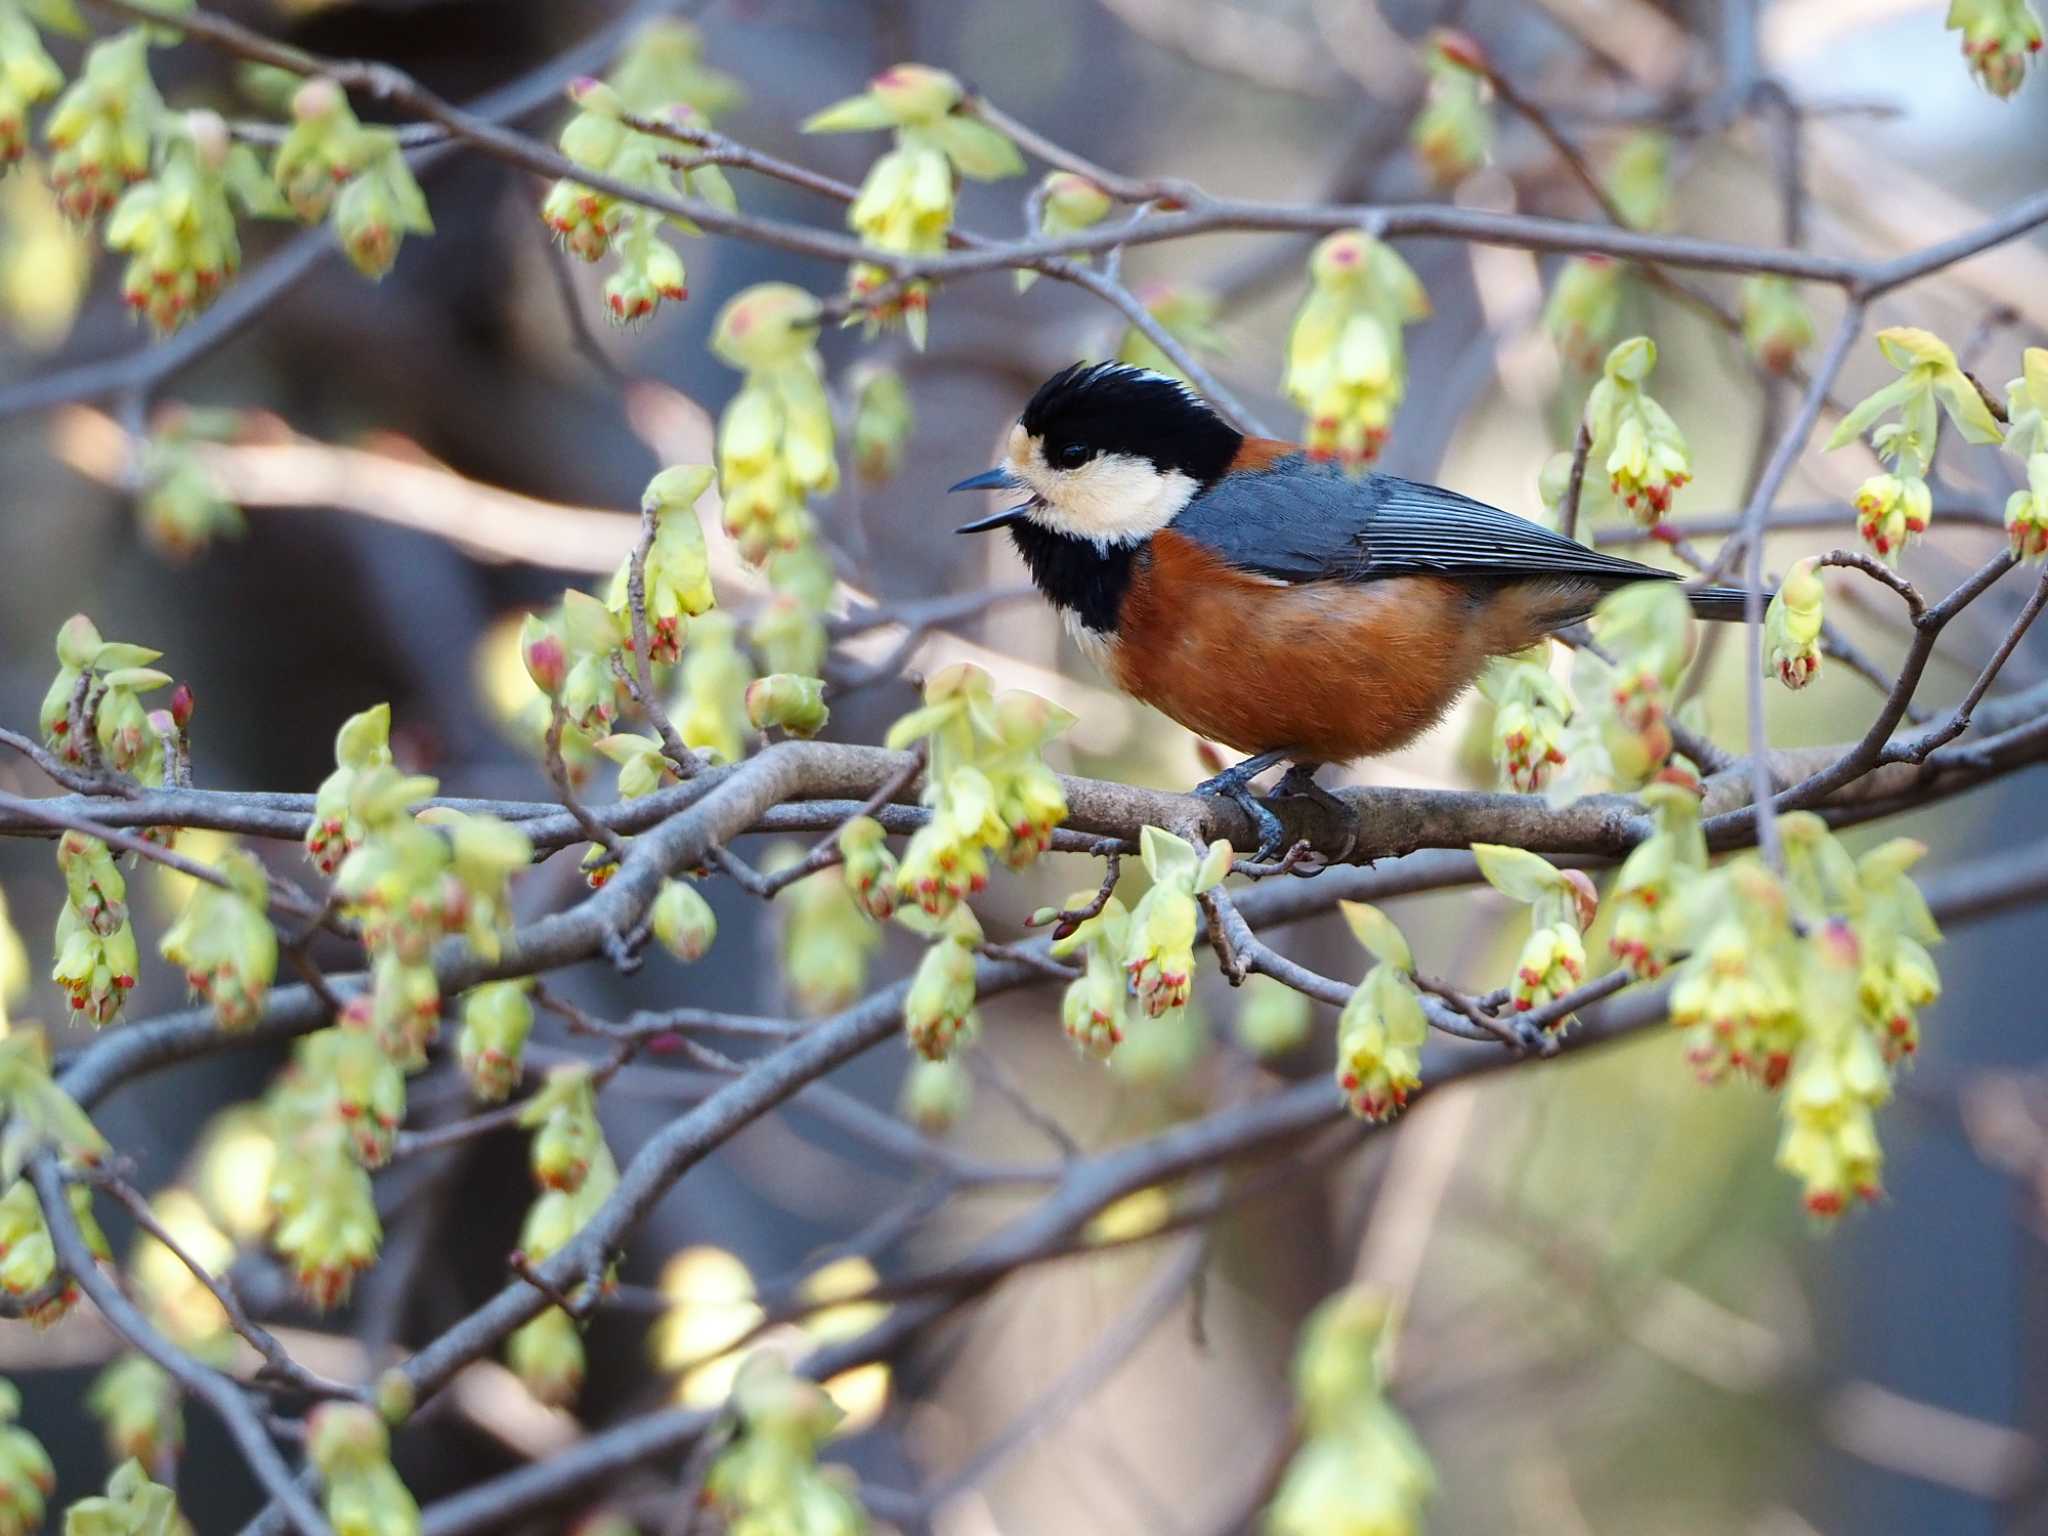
[(1235, 785), (1237, 790), (1299, 782)]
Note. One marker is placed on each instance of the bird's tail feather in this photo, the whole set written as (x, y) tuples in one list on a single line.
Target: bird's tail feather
[(1723, 603)]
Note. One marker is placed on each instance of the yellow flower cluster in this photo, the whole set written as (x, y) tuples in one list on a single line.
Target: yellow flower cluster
[(1347, 366), (906, 201)]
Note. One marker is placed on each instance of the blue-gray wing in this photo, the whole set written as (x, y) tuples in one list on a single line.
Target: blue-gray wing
[(1304, 521)]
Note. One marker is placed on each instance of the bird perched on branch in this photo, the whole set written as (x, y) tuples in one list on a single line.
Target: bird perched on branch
[(1268, 600)]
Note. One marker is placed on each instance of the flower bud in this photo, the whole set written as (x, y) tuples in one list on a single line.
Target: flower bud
[(1531, 711), (99, 130), (131, 1506), (939, 1008), (916, 92), (869, 867), (1379, 1044), (320, 151), (27, 1478), (1067, 204), (1092, 1013), (683, 921), (1340, 1358), (1640, 447), (567, 1138), (664, 66), (1891, 510), (796, 704), (1639, 180), (1584, 308), (711, 711), (826, 941), (2026, 512), (1453, 133), (327, 1228), (1093, 1009), (28, 75), (546, 657), (594, 96), (1272, 1019), (1776, 326), (1376, 1481), (940, 869), (906, 202), (93, 884), (96, 970), (935, 1095), (582, 220), (379, 206), (1346, 360), (547, 1356), (350, 1449), (883, 420), (225, 945), (1552, 963), (765, 327), (138, 1407), (343, 1437), (496, 1019), (1792, 626), (2000, 39)]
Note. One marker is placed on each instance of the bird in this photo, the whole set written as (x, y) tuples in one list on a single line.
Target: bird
[(1265, 598)]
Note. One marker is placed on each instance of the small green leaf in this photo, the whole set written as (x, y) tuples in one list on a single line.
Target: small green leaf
[(918, 724), (1907, 346), (977, 151), (856, 114), (709, 183), (1215, 865), (137, 679), (1378, 933), (590, 627), (1517, 873), (1965, 405), (364, 739), (1167, 857), (1868, 409), (116, 656), (624, 746)]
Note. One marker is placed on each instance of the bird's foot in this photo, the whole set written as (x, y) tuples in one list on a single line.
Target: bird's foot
[(1299, 782), (1235, 785)]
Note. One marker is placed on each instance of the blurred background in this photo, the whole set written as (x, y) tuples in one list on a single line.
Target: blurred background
[(1618, 1318)]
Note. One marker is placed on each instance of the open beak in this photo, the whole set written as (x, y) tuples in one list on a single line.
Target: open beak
[(997, 479)]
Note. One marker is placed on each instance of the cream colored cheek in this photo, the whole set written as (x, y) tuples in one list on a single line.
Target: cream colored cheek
[(1025, 457), (1122, 498)]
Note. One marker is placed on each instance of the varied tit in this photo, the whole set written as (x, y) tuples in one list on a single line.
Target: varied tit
[(1265, 599)]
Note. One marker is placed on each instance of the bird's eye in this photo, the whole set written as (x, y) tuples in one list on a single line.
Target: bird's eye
[(1071, 455)]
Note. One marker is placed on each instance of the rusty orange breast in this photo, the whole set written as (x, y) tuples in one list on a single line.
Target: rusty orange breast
[(1330, 671)]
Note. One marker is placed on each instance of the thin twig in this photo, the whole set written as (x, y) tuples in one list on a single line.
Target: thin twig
[(278, 1365), (1575, 486)]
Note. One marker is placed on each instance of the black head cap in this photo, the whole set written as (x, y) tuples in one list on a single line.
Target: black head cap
[(1097, 408)]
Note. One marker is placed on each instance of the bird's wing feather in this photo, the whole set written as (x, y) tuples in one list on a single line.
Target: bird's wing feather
[(1304, 521)]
